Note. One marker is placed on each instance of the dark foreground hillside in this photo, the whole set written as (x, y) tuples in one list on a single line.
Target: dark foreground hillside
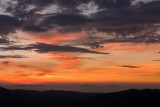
[(130, 98)]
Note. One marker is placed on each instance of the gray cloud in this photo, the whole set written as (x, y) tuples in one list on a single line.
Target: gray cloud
[(12, 56), (156, 60), (8, 25), (6, 62), (129, 66), (117, 18), (113, 3), (45, 48)]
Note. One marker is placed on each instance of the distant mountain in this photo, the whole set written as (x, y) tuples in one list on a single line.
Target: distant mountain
[(129, 98)]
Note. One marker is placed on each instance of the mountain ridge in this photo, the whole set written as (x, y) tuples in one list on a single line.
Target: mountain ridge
[(54, 98)]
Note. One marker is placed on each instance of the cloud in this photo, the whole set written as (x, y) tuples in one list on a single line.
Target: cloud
[(129, 66), (45, 48), (63, 3), (8, 25), (44, 73), (61, 22), (4, 39), (6, 63), (12, 56), (120, 20), (39, 73), (34, 28), (113, 3), (156, 60)]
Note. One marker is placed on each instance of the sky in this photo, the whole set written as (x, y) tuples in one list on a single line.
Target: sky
[(111, 44)]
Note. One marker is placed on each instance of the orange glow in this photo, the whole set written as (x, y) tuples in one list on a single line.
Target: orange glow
[(60, 67)]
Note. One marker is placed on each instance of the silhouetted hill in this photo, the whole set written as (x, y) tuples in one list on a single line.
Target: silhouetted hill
[(27, 98), (129, 98)]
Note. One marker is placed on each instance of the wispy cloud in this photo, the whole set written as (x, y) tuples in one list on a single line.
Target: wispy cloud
[(130, 66), (12, 56), (45, 48), (155, 60)]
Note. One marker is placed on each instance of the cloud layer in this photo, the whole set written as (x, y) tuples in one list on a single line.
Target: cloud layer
[(11, 56), (46, 48), (120, 20)]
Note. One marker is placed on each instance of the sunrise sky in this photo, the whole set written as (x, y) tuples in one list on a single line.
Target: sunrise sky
[(79, 41)]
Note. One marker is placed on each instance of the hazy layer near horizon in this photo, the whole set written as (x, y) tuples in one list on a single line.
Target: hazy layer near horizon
[(81, 87)]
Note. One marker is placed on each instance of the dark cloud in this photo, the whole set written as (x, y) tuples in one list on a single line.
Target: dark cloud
[(66, 20), (34, 28), (21, 9), (60, 22), (45, 48), (150, 8), (113, 3), (11, 56), (117, 18), (6, 63), (8, 24), (156, 60), (4, 39), (9, 21), (129, 66), (64, 3)]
